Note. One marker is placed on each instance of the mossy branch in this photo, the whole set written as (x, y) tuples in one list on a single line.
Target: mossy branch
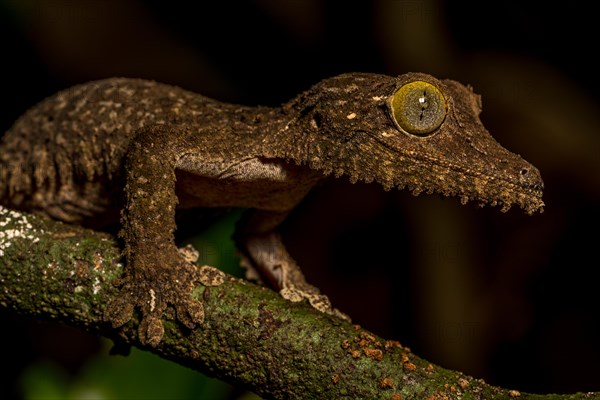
[(250, 337)]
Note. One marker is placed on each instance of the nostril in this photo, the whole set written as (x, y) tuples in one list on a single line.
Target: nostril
[(530, 178)]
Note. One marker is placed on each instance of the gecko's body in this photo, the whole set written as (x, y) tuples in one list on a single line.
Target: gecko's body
[(144, 149)]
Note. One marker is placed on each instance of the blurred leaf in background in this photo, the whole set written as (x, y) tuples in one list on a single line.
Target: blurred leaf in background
[(141, 375)]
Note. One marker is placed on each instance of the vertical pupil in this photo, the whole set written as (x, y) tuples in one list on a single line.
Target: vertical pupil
[(423, 103)]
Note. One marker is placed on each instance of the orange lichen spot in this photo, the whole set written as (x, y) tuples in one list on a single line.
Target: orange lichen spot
[(336, 378), (514, 393), (365, 343), (409, 367), (369, 337), (389, 344), (396, 396), (81, 268), (386, 383), (429, 368), (354, 353), (462, 382), (450, 387), (437, 396), (375, 354)]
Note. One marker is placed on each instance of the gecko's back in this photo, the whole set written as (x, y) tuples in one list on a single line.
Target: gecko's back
[(64, 157)]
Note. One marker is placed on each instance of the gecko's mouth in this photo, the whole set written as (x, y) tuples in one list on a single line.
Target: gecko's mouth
[(474, 186), (481, 182), (418, 173)]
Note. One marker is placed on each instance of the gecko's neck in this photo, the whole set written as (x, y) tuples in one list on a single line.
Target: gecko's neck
[(279, 132)]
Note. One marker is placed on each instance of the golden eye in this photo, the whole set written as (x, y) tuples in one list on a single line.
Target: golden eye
[(418, 107)]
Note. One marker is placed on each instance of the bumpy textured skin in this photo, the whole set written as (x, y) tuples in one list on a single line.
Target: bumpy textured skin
[(146, 149)]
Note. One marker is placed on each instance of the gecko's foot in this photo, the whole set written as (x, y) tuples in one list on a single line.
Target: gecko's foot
[(152, 294), (292, 292), (266, 257)]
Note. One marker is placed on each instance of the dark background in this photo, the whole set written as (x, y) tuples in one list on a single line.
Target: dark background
[(505, 297)]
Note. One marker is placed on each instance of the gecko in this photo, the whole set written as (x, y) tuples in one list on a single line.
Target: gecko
[(137, 152)]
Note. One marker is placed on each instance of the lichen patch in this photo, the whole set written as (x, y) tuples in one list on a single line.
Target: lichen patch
[(20, 228)]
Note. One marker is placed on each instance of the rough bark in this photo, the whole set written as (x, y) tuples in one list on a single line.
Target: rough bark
[(250, 336)]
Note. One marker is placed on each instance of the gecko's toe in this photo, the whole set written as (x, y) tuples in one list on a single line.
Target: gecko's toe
[(156, 297), (209, 276), (320, 302), (190, 313), (119, 311), (151, 331), (323, 304)]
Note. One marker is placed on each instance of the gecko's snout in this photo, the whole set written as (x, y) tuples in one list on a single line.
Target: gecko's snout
[(530, 198), (530, 178)]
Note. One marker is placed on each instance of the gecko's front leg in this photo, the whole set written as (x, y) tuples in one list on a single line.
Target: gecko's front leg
[(157, 274), (264, 251)]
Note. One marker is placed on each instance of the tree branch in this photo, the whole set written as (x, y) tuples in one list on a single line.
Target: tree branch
[(250, 336)]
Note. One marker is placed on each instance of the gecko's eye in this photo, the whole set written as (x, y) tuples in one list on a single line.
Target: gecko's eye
[(418, 108)]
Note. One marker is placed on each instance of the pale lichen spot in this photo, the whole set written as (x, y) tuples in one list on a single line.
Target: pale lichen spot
[(20, 228), (387, 134), (96, 286), (377, 98), (351, 116)]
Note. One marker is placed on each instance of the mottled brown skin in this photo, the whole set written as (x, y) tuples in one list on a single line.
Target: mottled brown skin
[(147, 149)]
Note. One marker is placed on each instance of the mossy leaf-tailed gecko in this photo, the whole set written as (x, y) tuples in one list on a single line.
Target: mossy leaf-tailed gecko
[(145, 150)]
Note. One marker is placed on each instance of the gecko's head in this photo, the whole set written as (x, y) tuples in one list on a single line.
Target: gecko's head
[(413, 131)]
